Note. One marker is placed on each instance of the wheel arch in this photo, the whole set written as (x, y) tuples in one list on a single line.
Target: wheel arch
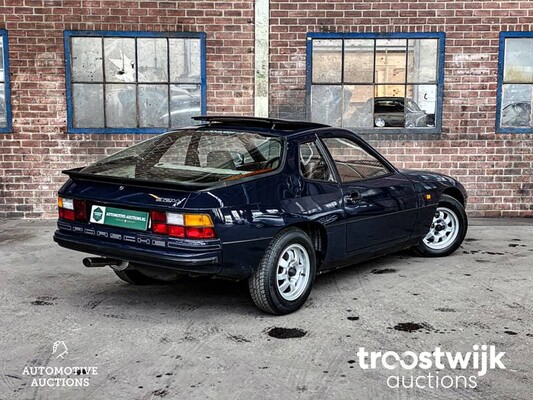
[(455, 193), (319, 237)]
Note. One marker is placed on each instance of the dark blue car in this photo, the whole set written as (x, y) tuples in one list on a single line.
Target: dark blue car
[(271, 201)]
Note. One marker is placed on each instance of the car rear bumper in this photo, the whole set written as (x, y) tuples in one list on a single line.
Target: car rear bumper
[(197, 262)]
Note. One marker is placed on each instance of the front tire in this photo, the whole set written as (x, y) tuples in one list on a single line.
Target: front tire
[(284, 278), (448, 229)]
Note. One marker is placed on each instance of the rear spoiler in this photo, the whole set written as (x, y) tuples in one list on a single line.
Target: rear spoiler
[(76, 174)]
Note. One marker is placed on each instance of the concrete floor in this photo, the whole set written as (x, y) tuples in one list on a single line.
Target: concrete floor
[(204, 339)]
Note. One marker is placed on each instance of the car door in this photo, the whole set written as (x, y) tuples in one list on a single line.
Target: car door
[(379, 202)]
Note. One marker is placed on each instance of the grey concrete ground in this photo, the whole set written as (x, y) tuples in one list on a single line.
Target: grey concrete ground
[(204, 339)]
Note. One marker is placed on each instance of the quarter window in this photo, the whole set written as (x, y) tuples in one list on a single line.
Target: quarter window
[(123, 82), (515, 86), (353, 163), (313, 166), (376, 82)]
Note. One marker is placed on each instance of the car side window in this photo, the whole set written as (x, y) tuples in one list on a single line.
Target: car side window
[(312, 164), (353, 162)]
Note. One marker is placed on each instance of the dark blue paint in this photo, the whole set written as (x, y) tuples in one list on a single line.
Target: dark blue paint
[(7, 87), (68, 34), (392, 214)]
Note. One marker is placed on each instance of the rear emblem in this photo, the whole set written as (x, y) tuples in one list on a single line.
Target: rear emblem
[(121, 188)]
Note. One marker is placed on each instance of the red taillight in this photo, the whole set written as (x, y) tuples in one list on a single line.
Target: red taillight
[(191, 226), (200, 233), (67, 214), (160, 228), (176, 231), (72, 210), (159, 216), (80, 210)]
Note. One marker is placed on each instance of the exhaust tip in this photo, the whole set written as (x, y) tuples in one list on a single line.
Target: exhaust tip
[(96, 262)]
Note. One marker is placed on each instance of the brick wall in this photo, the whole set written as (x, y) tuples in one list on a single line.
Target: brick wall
[(496, 169), (32, 157)]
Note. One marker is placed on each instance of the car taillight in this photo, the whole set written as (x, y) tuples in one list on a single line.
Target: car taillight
[(72, 210), (190, 226)]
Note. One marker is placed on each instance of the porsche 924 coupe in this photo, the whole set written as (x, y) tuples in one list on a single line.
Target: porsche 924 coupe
[(271, 201)]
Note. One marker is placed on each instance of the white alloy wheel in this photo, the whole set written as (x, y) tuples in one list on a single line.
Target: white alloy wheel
[(444, 229), (293, 272)]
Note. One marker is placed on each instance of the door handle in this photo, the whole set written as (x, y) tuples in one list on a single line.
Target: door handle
[(352, 198)]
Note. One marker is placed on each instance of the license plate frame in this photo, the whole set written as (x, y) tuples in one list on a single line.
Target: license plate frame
[(119, 217)]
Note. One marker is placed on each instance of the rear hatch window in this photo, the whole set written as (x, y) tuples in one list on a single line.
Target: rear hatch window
[(194, 156)]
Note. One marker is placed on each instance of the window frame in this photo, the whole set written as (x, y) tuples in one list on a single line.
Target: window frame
[(499, 90), (324, 154), (386, 133), (68, 34), (366, 148), (7, 84)]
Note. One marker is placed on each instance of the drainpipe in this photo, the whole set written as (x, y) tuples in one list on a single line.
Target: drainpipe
[(262, 25)]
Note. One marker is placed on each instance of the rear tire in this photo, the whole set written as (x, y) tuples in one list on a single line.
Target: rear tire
[(284, 278), (448, 229)]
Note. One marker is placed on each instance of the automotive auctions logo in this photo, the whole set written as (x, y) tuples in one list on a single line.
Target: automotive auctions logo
[(482, 359), (98, 214), (60, 376)]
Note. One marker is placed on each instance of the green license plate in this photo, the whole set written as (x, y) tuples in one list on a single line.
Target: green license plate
[(137, 220)]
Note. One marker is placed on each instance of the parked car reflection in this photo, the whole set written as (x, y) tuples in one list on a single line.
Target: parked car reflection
[(398, 112)]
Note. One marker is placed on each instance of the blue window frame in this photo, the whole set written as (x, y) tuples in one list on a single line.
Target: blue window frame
[(376, 83), (5, 92), (133, 82), (515, 83)]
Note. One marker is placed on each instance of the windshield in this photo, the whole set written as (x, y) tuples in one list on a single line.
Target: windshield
[(194, 156)]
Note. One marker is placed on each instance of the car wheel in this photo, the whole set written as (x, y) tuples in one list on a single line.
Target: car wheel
[(137, 278), (448, 229), (283, 280)]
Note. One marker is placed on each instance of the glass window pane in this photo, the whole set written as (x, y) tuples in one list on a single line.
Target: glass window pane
[(121, 110), (86, 63), (358, 101), (420, 105), (389, 106), (185, 102), (359, 61), (312, 164), (518, 65), (119, 60), (327, 60), (153, 60), (326, 104), (390, 60), (184, 60), (422, 61), (153, 105), (3, 113), (353, 163), (88, 105), (2, 77), (516, 106)]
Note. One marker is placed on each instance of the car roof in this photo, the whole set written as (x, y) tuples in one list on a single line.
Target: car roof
[(275, 127)]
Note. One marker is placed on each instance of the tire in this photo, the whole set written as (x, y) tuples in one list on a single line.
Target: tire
[(451, 218), (137, 278), (290, 253)]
